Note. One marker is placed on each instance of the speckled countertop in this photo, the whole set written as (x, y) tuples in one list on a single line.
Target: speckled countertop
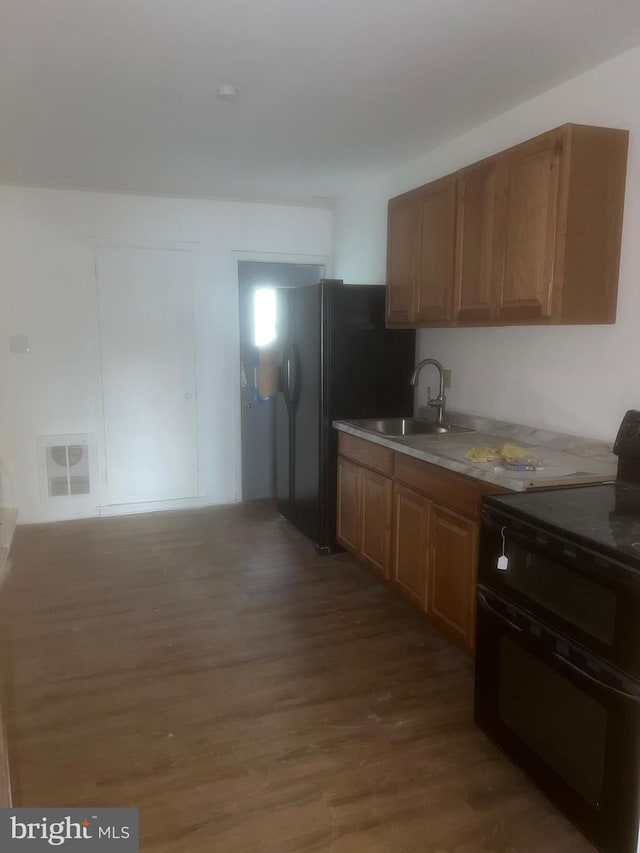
[(567, 459)]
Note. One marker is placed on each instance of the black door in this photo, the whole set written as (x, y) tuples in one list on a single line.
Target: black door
[(366, 372), (368, 365), (572, 589), (567, 718), (306, 401), (283, 442), (284, 413), (340, 362)]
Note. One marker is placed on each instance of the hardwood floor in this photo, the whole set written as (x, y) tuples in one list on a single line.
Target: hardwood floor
[(247, 695)]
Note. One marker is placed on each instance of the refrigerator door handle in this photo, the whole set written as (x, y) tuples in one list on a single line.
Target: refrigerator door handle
[(286, 375), (293, 375)]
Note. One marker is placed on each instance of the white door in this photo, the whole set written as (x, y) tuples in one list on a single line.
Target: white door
[(148, 373)]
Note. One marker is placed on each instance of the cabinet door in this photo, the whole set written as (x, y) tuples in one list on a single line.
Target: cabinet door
[(477, 259), (348, 509), (452, 573), (404, 228), (375, 520), (410, 543), (434, 295), (530, 180)]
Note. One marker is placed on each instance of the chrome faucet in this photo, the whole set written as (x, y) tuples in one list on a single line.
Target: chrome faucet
[(440, 401)]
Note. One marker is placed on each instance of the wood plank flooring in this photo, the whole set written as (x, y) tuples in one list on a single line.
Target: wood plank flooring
[(247, 695)]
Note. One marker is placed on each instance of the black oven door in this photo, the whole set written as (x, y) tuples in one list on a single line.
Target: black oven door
[(569, 720), (581, 594)]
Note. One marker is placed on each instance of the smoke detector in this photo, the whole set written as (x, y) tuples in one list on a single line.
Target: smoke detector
[(227, 92)]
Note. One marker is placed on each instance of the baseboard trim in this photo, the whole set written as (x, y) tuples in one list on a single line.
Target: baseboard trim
[(110, 510)]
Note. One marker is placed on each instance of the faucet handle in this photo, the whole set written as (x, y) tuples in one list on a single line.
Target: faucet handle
[(438, 403)]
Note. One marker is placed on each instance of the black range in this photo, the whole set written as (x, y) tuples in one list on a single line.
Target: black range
[(605, 518), (558, 643)]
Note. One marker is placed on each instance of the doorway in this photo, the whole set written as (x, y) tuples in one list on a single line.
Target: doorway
[(147, 342), (261, 338)]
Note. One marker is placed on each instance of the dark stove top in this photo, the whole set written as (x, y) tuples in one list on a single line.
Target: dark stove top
[(605, 518)]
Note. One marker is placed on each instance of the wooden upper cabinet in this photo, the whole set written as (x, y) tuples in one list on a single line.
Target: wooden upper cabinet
[(434, 293), (591, 205), (477, 248), (530, 187), (535, 232), (404, 234)]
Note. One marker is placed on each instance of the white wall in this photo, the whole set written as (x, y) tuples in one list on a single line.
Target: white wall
[(577, 379), (48, 291)]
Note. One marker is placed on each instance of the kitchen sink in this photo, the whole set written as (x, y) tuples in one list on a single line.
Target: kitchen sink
[(403, 427)]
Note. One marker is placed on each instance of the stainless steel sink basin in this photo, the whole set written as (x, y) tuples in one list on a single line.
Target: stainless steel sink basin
[(398, 427)]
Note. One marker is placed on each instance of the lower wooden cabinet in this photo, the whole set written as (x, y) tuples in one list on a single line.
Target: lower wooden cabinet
[(410, 543), (416, 524), (364, 512), (453, 549), (376, 504), (348, 509)]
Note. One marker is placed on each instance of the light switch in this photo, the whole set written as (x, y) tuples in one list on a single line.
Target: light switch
[(19, 344)]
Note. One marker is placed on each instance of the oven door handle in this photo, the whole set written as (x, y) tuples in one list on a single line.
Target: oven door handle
[(488, 518), (505, 527), (631, 697), (482, 598)]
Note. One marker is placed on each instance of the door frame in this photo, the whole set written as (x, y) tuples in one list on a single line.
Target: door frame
[(325, 261), (104, 509)]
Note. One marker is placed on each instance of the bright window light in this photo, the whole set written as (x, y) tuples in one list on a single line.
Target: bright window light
[(264, 316)]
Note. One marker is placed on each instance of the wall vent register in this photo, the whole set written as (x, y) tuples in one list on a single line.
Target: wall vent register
[(67, 466), (68, 470)]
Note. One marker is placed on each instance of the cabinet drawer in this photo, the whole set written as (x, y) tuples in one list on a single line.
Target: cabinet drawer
[(366, 453), (446, 487)]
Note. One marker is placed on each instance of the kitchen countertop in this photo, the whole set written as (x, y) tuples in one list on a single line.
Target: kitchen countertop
[(568, 459)]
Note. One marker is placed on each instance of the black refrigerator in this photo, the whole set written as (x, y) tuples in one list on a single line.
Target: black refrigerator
[(339, 361)]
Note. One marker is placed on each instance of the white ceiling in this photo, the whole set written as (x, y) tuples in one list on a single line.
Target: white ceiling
[(120, 94)]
